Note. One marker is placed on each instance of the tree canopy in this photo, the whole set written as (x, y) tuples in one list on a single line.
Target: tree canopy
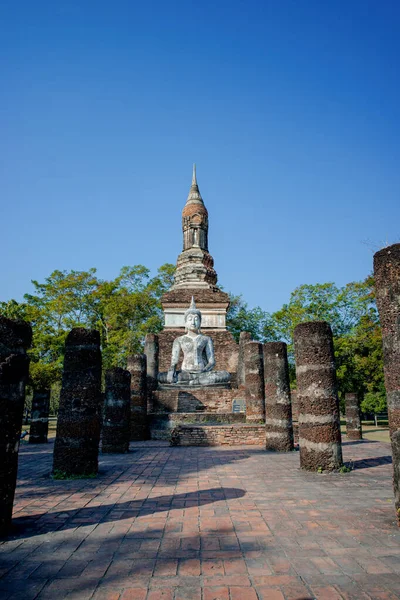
[(126, 308)]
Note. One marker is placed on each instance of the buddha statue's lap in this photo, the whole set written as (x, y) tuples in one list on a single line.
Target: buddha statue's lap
[(198, 357)]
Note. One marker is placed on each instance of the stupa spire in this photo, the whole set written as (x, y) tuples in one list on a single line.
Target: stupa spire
[(195, 266), (194, 196)]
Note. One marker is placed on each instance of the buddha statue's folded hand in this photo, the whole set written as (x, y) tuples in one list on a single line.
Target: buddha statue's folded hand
[(171, 375)]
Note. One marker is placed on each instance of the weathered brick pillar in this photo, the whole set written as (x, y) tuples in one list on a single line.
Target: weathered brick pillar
[(387, 284), (79, 417), (138, 370), (319, 420), (117, 411), (15, 338), (278, 410), (254, 381), (295, 416), (353, 417), (151, 350), (243, 339), (39, 416)]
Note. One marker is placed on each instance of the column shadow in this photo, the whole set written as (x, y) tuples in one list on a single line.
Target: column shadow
[(45, 522)]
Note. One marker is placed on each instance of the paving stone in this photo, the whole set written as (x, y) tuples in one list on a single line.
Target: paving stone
[(170, 522)]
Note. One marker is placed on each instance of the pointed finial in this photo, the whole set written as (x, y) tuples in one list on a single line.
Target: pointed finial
[(192, 310), (194, 180)]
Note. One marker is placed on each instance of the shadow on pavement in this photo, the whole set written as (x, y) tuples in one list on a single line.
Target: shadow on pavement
[(367, 463), (45, 522)]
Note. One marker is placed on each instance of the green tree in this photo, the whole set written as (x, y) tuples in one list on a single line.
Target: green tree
[(255, 321), (123, 310)]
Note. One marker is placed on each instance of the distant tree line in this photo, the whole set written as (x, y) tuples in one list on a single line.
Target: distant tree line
[(127, 307)]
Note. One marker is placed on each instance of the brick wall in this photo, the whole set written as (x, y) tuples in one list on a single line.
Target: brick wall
[(216, 400), (220, 435), (160, 425)]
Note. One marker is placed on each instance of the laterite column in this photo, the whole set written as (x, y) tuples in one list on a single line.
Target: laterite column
[(39, 417), (295, 415), (244, 337), (278, 410), (353, 417), (319, 420), (387, 284), (254, 381), (117, 411), (79, 417), (15, 338), (138, 370), (151, 350)]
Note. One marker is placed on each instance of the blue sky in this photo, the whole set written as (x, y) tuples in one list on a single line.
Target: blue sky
[(289, 108)]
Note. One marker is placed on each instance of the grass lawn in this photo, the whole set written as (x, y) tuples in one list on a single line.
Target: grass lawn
[(370, 432), (51, 433)]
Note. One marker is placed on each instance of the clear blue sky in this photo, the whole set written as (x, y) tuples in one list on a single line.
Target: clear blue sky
[(289, 108)]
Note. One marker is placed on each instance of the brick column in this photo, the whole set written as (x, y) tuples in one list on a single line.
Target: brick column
[(278, 410), (138, 370), (15, 338), (151, 350), (39, 417), (117, 411), (243, 339), (79, 417), (319, 419), (353, 417), (387, 284), (254, 378)]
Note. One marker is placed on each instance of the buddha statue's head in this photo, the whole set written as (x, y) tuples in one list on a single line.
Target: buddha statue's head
[(193, 318)]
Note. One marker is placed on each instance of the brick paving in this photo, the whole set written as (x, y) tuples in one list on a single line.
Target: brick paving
[(228, 523)]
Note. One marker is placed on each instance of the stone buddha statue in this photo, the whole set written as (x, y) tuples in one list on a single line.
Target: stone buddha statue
[(198, 356)]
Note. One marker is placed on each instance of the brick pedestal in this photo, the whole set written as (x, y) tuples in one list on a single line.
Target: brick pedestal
[(319, 420), (218, 435)]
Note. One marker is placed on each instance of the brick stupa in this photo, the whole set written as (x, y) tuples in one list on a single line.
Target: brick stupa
[(195, 276)]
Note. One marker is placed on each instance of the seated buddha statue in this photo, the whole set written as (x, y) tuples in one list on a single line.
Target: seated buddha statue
[(198, 356)]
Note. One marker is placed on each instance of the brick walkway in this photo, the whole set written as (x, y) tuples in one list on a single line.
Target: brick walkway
[(204, 524)]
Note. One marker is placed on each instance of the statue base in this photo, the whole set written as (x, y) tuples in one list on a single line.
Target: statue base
[(184, 398), (192, 386)]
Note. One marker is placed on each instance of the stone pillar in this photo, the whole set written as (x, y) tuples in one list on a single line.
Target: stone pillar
[(295, 416), (79, 417), (15, 338), (278, 410), (117, 411), (151, 350), (387, 285), (137, 368), (39, 417), (254, 378), (353, 417), (243, 339), (319, 420)]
